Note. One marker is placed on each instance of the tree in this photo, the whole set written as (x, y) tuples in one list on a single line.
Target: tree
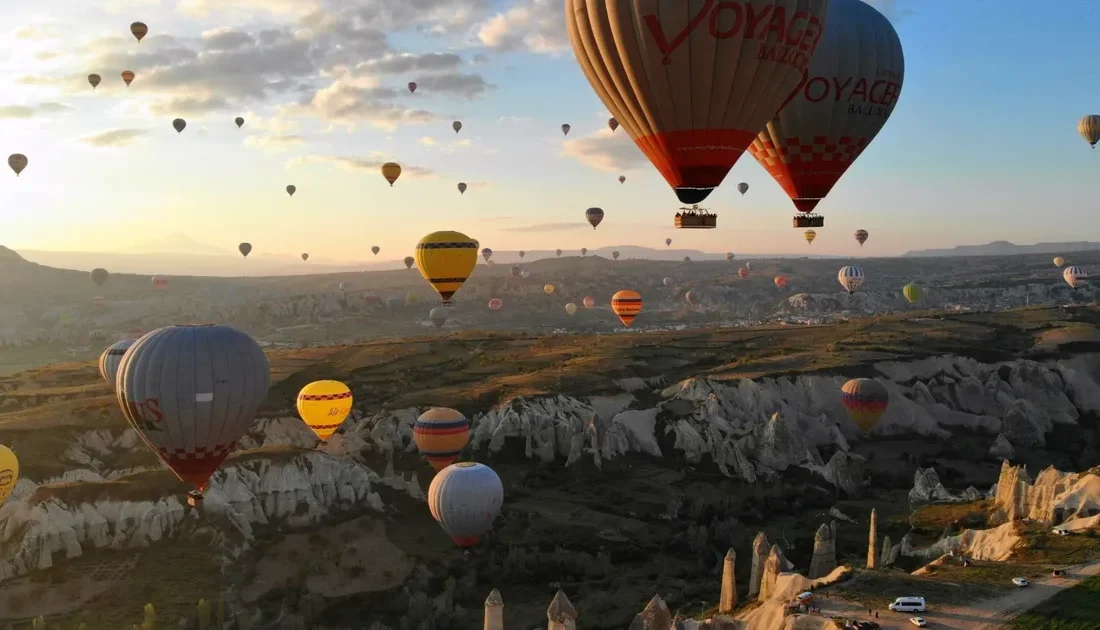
[(204, 614)]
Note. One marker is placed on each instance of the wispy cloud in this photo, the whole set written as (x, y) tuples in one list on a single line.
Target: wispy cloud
[(275, 143), (372, 162), (547, 227), (30, 111), (114, 138), (605, 150)]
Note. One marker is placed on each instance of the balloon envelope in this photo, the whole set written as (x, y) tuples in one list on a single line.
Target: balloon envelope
[(412, 86), (291, 189), (571, 308), (1075, 276), (179, 125), (128, 76), (742, 188), (809, 235), (743, 272), (111, 359), (861, 237), (244, 248), (912, 293), (17, 162), (781, 282), (668, 241), (615, 255), (409, 262), (626, 304), (324, 405), (865, 401), (391, 171), (191, 392), (486, 253), (94, 79), (612, 123), (851, 278), (548, 289), (1089, 128), (589, 302), (1059, 261), (667, 282), (440, 434), (446, 259), (139, 30), (565, 129), (462, 188), (495, 304), (374, 250), (457, 126), (465, 499), (305, 256), (239, 121), (594, 216), (99, 276), (438, 316), (9, 472)]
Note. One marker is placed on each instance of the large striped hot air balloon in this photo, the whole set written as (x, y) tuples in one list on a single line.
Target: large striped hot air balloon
[(912, 293), (324, 405), (1075, 276), (446, 259), (851, 278), (851, 88), (694, 82), (626, 304), (861, 237), (440, 434), (191, 392), (1089, 128), (465, 499), (111, 359), (865, 400), (9, 472)]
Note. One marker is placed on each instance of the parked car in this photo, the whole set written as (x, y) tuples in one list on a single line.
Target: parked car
[(1020, 582), (918, 621)]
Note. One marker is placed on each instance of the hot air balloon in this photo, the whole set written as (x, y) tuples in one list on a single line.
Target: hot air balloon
[(565, 129), (613, 124), (462, 188), (324, 405), (622, 179), (692, 297), (525, 274), (809, 235), (374, 250), (99, 276), (1075, 277), (557, 252), (446, 259), (742, 188), (179, 125), (464, 499), (571, 308), (865, 400), (412, 87), (291, 189), (851, 278), (239, 121), (244, 249), (522, 253), (17, 162), (495, 304), (486, 253), (438, 316), (1089, 128), (730, 257), (667, 282), (781, 282), (391, 171), (589, 302), (440, 434), (548, 289), (851, 87), (305, 256), (409, 262), (9, 472), (615, 255), (748, 265), (393, 302), (626, 304), (139, 30), (111, 359), (912, 293), (594, 217), (1059, 261), (743, 272), (128, 77), (516, 271), (584, 250), (160, 281), (457, 126), (861, 237), (94, 79), (97, 335), (668, 242), (693, 85), (191, 392), (687, 259)]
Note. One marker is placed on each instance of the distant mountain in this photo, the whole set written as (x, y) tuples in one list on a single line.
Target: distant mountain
[(177, 264), (176, 244), (1004, 248)]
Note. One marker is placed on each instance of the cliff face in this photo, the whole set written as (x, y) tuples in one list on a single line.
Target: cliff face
[(1053, 497)]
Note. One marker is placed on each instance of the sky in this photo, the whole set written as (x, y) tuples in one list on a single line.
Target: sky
[(982, 145)]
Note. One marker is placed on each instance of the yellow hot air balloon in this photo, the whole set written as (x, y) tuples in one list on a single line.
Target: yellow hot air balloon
[(323, 406), (912, 293), (548, 289), (626, 304), (391, 171), (1059, 261), (809, 235), (571, 308), (9, 472), (446, 259)]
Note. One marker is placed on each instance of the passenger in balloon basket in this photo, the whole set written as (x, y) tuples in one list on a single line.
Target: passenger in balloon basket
[(695, 217)]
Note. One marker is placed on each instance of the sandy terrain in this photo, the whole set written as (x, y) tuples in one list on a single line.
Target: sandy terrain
[(986, 615)]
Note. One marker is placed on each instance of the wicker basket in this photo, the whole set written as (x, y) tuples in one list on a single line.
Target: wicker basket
[(696, 221)]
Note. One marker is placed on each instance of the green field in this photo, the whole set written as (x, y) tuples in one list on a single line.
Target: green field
[(1075, 609)]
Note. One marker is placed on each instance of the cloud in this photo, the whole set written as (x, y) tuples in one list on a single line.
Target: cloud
[(532, 25), (892, 9), (114, 138), (464, 85), (407, 62), (30, 111), (547, 227), (39, 32), (46, 55), (606, 151), (274, 144), (349, 102), (428, 141), (430, 16), (373, 162), (187, 106)]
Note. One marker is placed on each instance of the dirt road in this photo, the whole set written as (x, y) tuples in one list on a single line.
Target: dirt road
[(986, 615)]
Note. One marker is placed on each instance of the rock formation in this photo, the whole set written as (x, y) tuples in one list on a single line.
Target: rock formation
[(824, 557), (494, 611), (727, 600), (760, 549), (1052, 497), (561, 615), (888, 553), (1001, 448), (872, 541), (775, 564), (656, 616), (927, 488)]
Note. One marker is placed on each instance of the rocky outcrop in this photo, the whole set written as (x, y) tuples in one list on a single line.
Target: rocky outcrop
[(1052, 497), (1001, 448), (656, 616), (824, 557), (727, 598), (872, 541), (775, 564), (927, 488), (996, 544), (760, 549), (889, 552)]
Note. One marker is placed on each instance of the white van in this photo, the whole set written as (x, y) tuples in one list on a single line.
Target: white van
[(908, 604)]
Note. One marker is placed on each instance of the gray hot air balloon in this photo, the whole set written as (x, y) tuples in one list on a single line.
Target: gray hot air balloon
[(244, 249), (615, 255), (465, 499), (393, 302), (742, 188), (239, 121), (584, 251), (99, 276), (457, 126), (111, 359), (17, 162), (375, 250), (291, 189), (668, 241), (94, 79), (565, 129), (462, 188), (305, 256), (594, 216), (409, 262), (668, 282), (486, 253), (179, 125), (191, 392), (438, 316), (558, 252), (522, 253)]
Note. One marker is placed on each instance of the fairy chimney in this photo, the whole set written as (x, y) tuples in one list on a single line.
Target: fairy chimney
[(494, 611), (824, 558), (561, 615), (775, 564), (656, 616), (872, 541), (885, 559), (727, 600), (760, 548)]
